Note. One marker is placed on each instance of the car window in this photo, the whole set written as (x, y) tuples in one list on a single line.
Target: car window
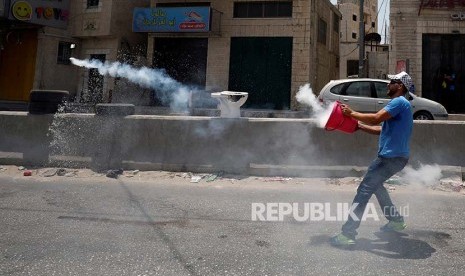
[(359, 89), (337, 89), (381, 90)]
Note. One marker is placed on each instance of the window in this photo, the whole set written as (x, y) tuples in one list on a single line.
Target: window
[(64, 53), (373, 24), (260, 9), (354, 17), (354, 35), (359, 89), (381, 90), (322, 31), (337, 89), (336, 23), (92, 3), (352, 67)]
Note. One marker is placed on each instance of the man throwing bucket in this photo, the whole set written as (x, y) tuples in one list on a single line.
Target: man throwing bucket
[(393, 153)]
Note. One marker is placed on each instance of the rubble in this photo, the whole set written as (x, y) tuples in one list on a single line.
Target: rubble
[(114, 173), (454, 184), (49, 173), (195, 179)]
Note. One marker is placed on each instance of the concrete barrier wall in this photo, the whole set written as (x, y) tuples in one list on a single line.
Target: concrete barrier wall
[(211, 144)]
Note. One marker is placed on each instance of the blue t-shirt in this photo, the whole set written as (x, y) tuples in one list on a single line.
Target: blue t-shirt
[(394, 140)]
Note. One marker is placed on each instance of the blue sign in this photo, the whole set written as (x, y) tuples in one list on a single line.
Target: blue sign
[(179, 20)]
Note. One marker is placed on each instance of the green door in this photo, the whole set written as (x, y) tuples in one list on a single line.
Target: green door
[(262, 66)]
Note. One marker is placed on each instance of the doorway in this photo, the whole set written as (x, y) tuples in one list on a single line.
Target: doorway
[(17, 64), (95, 81), (183, 59), (443, 71), (262, 66)]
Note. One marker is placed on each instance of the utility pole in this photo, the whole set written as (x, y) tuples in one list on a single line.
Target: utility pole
[(361, 42)]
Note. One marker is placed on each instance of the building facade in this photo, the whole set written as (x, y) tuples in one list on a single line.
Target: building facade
[(35, 48), (428, 41), (266, 48), (30, 36), (350, 34)]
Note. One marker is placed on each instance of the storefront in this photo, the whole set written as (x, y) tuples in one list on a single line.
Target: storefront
[(428, 40), (34, 48)]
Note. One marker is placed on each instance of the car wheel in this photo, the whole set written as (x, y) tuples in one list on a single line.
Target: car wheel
[(423, 115)]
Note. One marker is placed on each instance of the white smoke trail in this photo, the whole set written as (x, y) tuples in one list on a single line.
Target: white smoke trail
[(307, 97), (176, 93), (425, 175)]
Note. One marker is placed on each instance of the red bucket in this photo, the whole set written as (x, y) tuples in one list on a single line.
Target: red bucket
[(337, 120)]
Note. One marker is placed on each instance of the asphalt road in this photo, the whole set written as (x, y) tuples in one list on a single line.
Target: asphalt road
[(168, 226)]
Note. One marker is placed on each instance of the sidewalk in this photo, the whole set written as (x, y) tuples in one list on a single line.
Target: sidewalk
[(262, 170)]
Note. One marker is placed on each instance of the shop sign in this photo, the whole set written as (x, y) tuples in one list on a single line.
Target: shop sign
[(440, 4), (53, 13), (178, 20)]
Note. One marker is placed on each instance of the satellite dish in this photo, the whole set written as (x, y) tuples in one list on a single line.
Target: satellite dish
[(373, 37)]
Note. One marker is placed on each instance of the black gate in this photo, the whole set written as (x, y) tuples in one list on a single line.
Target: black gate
[(443, 70), (184, 59), (262, 66)]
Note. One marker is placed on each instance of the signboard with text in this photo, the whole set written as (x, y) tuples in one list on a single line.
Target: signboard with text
[(441, 4), (178, 20), (53, 13)]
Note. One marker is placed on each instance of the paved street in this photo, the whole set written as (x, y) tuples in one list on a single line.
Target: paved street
[(161, 224)]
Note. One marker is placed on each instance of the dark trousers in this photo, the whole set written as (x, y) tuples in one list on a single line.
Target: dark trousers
[(380, 170)]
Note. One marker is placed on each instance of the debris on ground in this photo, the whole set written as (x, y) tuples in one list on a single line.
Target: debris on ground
[(391, 188), (182, 175), (196, 178), (132, 173), (21, 168), (2, 169), (27, 173), (61, 172), (114, 173), (49, 173), (333, 181), (71, 174), (213, 177), (454, 184), (273, 179)]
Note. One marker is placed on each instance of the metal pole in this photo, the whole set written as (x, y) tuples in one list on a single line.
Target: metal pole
[(361, 42)]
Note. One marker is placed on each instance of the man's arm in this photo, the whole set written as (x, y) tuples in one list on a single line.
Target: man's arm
[(375, 130), (367, 118)]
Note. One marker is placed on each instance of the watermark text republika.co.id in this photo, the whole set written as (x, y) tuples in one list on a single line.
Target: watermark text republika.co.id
[(318, 211)]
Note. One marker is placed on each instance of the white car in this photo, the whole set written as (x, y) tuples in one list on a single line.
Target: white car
[(370, 95)]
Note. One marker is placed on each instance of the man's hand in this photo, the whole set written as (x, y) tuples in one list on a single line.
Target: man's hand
[(346, 110)]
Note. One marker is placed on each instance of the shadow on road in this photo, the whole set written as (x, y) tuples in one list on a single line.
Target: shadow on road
[(393, 245)]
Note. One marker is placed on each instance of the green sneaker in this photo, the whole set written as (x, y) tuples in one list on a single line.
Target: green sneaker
[(341, 240), (393, 226)]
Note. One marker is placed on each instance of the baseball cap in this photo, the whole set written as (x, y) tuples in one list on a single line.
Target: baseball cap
[(404, 78)]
